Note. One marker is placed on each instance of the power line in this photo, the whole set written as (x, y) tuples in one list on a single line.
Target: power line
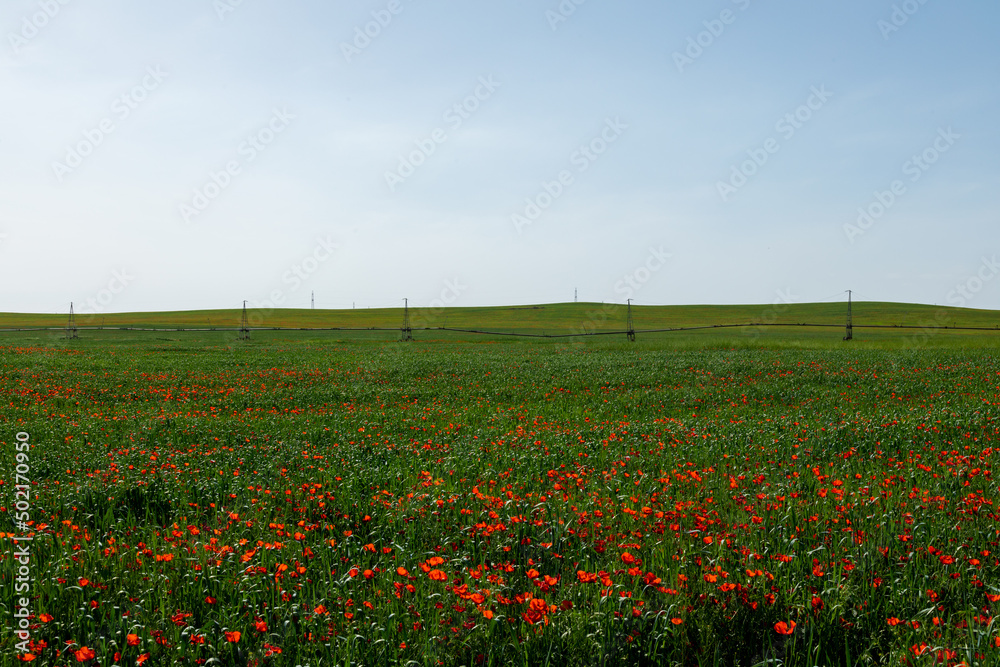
[(510, 333)]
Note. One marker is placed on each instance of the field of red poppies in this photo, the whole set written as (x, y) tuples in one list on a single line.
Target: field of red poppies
[(296, 503)]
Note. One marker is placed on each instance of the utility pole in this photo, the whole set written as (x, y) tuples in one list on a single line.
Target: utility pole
[(314, 300), (631, 329), (244, 325), (71, 324), (575, 293), (406, 335), (850, 319)]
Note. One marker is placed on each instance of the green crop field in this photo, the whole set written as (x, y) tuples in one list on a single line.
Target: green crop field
[(893, 325), (770, 496), (564, 318)]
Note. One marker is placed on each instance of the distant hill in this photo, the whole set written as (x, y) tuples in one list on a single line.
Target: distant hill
[(558, 318)]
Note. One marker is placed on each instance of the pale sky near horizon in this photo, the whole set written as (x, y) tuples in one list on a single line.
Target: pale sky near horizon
[(192, 154)]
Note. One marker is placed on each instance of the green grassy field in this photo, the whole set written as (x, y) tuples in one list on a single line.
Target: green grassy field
[(566, 320), (550, 318), (306, 498)]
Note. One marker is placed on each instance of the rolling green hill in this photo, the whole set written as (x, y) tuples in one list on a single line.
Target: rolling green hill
[(561, 318)]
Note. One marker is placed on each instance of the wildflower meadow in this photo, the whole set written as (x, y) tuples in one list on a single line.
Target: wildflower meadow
[(302, 502)]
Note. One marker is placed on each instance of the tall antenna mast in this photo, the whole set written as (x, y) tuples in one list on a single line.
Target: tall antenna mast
[(314, 300), (850, 319), (71, 324), (406, 334), (631, 329), (244, 325), (575, 293)]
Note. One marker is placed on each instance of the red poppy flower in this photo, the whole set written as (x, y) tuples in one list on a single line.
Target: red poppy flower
[(783, 628), (85, 654), (233, 637), (132, 640)]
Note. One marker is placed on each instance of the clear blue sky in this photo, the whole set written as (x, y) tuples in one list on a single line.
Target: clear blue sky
[(312, 118)]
